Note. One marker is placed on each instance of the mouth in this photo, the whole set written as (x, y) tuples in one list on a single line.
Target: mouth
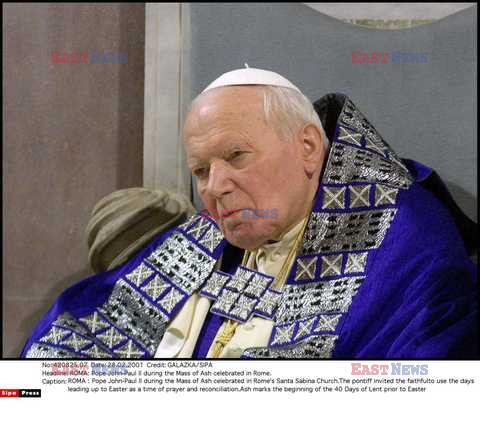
[(228, 213)]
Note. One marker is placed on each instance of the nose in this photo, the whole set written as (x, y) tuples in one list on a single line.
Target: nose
[(219, 182)]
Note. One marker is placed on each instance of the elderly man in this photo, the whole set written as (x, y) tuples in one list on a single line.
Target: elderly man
[(316, 241)]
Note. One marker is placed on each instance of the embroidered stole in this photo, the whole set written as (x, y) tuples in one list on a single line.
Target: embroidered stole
[(354, 207)]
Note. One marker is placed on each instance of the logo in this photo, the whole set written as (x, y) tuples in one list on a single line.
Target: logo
[(395, 368), (20, 393)]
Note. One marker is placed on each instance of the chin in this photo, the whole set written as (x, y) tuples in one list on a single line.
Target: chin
[(245, 236), (243, 242)]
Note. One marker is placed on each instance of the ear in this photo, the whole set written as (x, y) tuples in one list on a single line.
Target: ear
[(312, 148)]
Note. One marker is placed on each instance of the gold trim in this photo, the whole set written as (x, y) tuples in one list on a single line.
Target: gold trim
[(230, 325)]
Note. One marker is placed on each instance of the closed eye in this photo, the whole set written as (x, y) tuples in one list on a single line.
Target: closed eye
[(201, 173), (236, 155)]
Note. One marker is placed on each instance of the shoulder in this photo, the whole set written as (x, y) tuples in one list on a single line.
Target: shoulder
[(422, 219), (428, 216)]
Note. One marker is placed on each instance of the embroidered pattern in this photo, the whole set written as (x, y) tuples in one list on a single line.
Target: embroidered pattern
[(76, 342), (243, 307), (257, 286), (331, 265), (314, 347), (354, 210), (356, 263), (360, 196), (38, 350), (385, 195), (211, 239), (346, 135), (224, 302), (333, 198), (283, 334), (356, 205), (156, 287), (242, 295), (140, 274), (94, 322), (214, 284), (182, 262), (334, 232), (300, 301), (200, 227), (327, 323), (350, 164), (304, 328), (306, 268), (111, 337), (129, 350), (69, 337), (267, 305), (170, 300), (132, 321), (134, 314), (96, 352), (55, 335)]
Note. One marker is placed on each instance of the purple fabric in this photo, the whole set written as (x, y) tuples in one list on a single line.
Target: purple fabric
[(420, 296), (419, 299), (82, 298)]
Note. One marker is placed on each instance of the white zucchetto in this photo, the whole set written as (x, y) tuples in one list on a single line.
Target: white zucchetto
[(245, 76)]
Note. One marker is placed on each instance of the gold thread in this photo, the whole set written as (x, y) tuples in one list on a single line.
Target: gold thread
[(230, 325)]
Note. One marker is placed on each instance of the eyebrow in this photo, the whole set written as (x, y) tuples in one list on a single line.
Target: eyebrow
[(193, 161)]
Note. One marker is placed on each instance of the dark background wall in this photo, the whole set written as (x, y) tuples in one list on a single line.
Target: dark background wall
[(425, 111), (73, 133)]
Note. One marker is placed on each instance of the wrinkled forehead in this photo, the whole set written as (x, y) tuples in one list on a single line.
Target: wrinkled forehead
[(236, 106)]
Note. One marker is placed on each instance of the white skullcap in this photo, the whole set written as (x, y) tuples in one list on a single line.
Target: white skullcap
[(244, 76)]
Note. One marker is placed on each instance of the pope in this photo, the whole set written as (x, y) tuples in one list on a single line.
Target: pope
[(365, 256)]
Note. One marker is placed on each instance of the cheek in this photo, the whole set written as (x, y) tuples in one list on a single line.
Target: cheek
[(272, 185), (279, 193)]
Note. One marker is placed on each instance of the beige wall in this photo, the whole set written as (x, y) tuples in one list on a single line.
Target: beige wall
[(73, 133), (167, 54)]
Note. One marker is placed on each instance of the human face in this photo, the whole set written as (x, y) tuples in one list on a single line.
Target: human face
[(241, 164)]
